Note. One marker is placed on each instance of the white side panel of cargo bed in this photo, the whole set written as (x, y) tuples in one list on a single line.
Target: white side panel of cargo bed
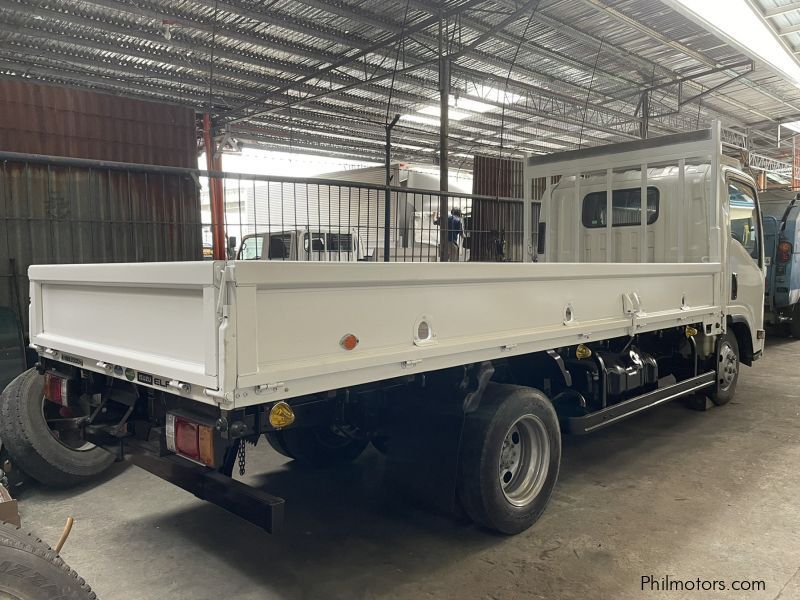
[(475, 311), (159, 318)]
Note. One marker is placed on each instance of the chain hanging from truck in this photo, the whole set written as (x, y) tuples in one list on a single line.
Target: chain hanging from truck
[(242, 458)]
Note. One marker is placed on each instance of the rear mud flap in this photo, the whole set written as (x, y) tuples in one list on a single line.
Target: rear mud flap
[(422, 451)]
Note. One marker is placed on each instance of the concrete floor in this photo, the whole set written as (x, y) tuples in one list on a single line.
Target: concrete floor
[(711, 495)]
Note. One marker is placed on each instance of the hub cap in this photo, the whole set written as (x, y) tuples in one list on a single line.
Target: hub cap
[(728, 366), (524, 460)]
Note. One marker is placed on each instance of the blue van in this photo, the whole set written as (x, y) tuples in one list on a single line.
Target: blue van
[(780, 214)]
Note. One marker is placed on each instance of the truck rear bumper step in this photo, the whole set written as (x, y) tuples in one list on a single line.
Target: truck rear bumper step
[(253, 505), (250, 504), (627, 408)]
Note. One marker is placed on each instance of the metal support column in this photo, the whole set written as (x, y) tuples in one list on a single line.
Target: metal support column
[(387, 203), (684, 210), (610, 244), (644, 123), (529, 251), (643, 216), (444, 125), (214, 163)]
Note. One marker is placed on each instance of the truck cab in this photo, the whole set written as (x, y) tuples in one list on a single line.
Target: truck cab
[(745, 257), (781, 233), (317, 244), (677, 215)]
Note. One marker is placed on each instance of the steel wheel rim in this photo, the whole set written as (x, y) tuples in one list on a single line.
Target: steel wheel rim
[(524, 460), (85, 447), (728, 366)]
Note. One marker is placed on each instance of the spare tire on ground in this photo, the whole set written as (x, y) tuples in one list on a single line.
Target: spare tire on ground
[(31, 444), (31, 570)]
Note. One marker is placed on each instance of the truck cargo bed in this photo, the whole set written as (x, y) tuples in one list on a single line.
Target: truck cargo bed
[(245, 333)]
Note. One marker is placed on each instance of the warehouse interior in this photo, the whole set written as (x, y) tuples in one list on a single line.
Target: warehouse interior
[(380, 131)]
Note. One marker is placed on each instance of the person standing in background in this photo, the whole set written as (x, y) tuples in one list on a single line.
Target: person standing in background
[(455, 230)]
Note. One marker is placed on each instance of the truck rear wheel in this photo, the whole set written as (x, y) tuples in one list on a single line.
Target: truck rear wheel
[(794, 324), (510, 457), (320, 446), (275, 439), (33, 571), (727, 369), (34, 447)]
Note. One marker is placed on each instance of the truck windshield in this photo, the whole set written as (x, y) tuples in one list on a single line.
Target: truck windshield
[(744, 224)]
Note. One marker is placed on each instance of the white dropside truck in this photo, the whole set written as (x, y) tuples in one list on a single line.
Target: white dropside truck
[(180, 365)]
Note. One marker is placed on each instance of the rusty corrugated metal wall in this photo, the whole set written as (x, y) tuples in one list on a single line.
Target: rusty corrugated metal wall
[(497, 226), (493, 176), (57, 214), (44, 119)]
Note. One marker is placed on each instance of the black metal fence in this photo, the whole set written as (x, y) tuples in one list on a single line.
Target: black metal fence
[(288, 218), (56, 210)]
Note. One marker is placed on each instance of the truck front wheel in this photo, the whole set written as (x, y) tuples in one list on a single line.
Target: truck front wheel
[(727, 369), (44, 454), (510, 457)]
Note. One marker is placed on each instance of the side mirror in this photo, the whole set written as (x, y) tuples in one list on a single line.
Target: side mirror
[(232, 242)]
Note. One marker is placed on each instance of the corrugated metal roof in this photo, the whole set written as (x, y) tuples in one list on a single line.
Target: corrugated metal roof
[(317, 74)]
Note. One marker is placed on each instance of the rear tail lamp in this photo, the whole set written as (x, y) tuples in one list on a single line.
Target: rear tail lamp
[(784, 252), (56, 389), (190, 439)]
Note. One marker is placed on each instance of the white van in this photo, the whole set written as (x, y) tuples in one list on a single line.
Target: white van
[(333, 244)]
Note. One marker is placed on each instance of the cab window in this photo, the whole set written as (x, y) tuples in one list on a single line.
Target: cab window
[(340, 242), (744, 217), (626, 207), (317, 243), (251, 248)]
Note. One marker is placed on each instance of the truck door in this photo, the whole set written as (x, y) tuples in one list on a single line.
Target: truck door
[(771, 232), (314, 246), (745, 257)]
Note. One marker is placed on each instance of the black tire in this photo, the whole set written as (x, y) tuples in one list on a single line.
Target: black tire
[(275, 439), (31, 570), (321, 447), (794, 324), (727, 365), (381, 444), (488, 432), (31, 445)]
